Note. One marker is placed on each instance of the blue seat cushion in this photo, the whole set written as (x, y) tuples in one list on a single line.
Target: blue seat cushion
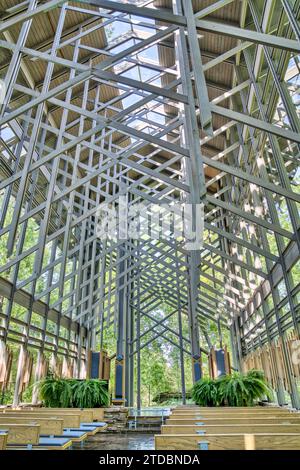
[(83, 428), (53, 441), (68, 433), (96, 424), (73, 433)]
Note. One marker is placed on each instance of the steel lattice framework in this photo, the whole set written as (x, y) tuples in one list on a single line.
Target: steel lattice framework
[(157, 101)]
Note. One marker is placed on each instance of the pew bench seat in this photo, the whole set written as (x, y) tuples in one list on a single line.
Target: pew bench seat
[(98, 425), (76, 436), (47, 443), (57, 442), (89, 430)]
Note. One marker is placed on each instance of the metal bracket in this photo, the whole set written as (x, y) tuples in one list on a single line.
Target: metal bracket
[(132, 424), (203, 445)]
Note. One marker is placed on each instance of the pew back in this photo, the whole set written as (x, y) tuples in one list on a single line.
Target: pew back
[(3, 440), (21, 433), (97, 414), (229, 412), (232, 429), (244, 420), (86, 415), (288, 441), (192, 407), (51, 426), (69, 420), (232, 415)]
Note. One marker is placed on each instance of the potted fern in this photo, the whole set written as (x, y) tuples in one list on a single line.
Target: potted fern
[(205, 392), (56, 393), (237, 389), (89, 393), (73, 393)]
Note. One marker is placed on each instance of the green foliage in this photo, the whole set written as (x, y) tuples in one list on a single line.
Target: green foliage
[(7, 397), (205, 392), (56, 393), (170, 397), (89, 393), (257, 386), (232, 390), (160, 360), (72, 393)]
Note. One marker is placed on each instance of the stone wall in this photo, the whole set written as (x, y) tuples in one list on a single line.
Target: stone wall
[(116, 418)]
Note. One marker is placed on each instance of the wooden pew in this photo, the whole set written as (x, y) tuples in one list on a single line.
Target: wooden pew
[(184, 408), (23, 434), (233, 410), (28, 436), (54, 427), (232, 429), (288, 441), (70, 420), (244, 420), (73, 420), (86, 415), (49, 426), (3, 440), (97, 413), (232, 415), (227, 410)]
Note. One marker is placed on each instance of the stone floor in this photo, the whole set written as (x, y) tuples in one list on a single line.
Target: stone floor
[(126, 441)]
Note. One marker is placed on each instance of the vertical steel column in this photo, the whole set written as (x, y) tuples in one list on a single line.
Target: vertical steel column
[(181, 353), (234, 353), (120, 356), (102, 289), (128, 347), (120, 299), (193, 280), (195, 175), (138, 334), (129, 362), (79, 352)]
